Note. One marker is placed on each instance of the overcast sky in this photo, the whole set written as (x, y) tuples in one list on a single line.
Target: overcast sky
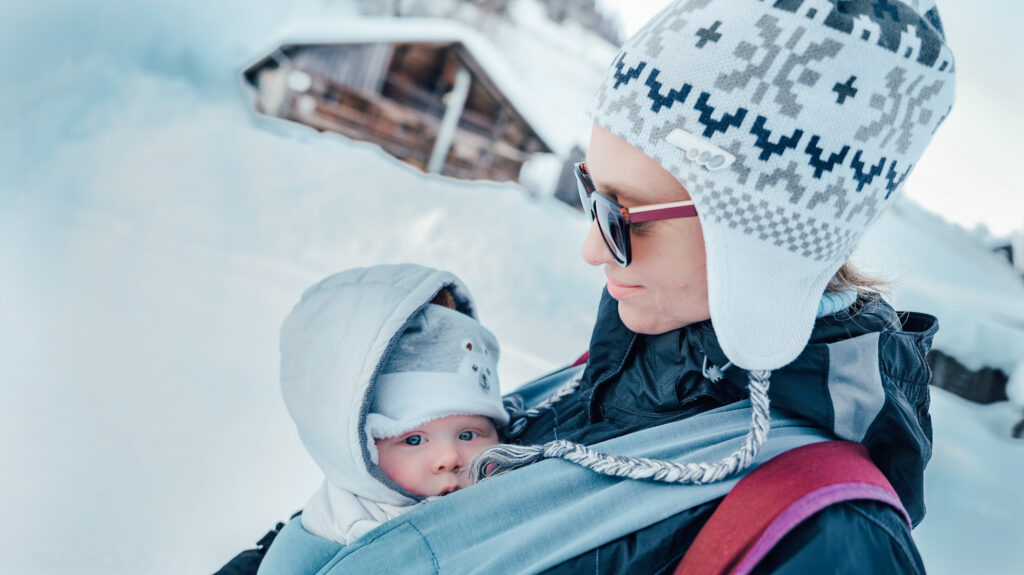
[(972, 173)]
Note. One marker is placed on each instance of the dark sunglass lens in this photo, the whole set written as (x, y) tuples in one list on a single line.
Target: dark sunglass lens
[(584, 197), (609, 219)]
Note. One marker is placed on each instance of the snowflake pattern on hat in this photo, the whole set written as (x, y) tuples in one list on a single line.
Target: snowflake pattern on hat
[(826, 106)]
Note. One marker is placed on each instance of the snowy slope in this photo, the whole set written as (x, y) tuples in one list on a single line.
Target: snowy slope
[(158, 233), (154, 269), (975, 520), (938, 267)]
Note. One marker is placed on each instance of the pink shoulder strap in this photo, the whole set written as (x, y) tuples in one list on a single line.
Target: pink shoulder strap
[(774, 498)]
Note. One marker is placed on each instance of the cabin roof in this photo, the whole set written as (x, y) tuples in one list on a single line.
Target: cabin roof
[(485, 59)]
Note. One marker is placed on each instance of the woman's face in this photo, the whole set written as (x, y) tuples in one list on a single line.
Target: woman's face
[(665, 285)]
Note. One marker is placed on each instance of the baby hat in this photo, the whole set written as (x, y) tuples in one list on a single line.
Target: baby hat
[(792, 124), (444, 363)]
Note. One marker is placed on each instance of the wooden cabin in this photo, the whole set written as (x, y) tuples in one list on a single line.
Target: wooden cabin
[(429, 102)]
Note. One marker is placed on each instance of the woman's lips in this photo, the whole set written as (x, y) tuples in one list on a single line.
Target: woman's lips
[(620, 290)]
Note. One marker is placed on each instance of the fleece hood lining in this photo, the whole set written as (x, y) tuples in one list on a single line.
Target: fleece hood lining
[(463, 303)]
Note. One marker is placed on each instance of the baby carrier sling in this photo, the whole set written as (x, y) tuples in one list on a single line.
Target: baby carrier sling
[(776, 497), (758, 512), (790, 440)]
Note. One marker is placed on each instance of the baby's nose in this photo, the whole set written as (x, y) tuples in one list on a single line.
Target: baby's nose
[(447, 460)]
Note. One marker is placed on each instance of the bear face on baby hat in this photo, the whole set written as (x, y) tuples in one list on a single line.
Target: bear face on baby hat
[(444, 363), (792, 124)]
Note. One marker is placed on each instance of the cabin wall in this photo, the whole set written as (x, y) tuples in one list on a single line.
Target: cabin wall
[(360, 66), (395, 95)]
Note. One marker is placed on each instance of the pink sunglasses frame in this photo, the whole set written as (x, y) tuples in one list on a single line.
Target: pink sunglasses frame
[(636, 214)]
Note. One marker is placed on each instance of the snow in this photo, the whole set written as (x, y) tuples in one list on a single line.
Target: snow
[(975, 520), (1015, 386), (156, 233), (942, 269), (154, 268), (566, 83)]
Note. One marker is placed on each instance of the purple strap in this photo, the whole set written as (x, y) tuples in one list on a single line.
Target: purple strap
[(663, 214), (808, 505)]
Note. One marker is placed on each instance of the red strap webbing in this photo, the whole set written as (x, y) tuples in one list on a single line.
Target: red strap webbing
[(581, 359), (774, 498)]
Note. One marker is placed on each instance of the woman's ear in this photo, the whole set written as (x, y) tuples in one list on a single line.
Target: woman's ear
[(444, 298)]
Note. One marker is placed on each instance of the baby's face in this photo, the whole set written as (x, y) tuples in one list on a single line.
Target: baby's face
[(433, 459)]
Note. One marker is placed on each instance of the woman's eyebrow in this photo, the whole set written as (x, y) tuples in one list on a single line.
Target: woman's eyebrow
[(629, 195), (618, 193)]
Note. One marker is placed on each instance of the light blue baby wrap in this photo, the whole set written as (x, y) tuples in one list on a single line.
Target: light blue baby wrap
[(536, 517)]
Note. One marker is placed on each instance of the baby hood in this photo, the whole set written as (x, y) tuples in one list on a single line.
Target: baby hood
[(333, 344)]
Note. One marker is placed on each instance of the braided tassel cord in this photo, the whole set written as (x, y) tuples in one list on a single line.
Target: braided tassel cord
[(519, 416), (503, 458)]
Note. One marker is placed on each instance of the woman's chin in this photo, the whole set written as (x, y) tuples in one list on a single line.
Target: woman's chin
[(642, 321), (647, 321)]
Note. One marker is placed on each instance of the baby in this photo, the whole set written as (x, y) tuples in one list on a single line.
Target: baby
[(393, 386)]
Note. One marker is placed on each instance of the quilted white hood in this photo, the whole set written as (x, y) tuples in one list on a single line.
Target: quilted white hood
[(333, 344)]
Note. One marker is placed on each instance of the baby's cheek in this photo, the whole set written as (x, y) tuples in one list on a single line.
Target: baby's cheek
[(484, 443), (479, 447)]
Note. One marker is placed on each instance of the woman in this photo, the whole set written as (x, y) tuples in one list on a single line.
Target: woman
[(740, 149), (648, 365), (789, 126)]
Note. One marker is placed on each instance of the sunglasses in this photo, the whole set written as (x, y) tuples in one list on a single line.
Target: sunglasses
[(613, 220)]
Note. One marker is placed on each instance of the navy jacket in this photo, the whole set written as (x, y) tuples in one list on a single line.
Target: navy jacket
[(862, 376)]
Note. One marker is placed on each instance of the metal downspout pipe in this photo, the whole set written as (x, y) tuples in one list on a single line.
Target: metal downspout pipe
[(450, 121)]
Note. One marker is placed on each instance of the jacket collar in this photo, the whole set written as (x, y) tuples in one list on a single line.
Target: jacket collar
[(612, 342)]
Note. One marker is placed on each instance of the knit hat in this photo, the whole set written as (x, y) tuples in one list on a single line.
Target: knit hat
[(444, 363), (793, 124)]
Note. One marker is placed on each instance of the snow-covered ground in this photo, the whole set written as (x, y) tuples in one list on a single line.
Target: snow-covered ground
[(155, 233), (975, 521)]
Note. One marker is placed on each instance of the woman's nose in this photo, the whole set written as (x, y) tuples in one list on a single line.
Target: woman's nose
[(595, 251)]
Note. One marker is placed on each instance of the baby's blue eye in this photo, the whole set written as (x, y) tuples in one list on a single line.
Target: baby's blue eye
[(468, 435), (413, 440)]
